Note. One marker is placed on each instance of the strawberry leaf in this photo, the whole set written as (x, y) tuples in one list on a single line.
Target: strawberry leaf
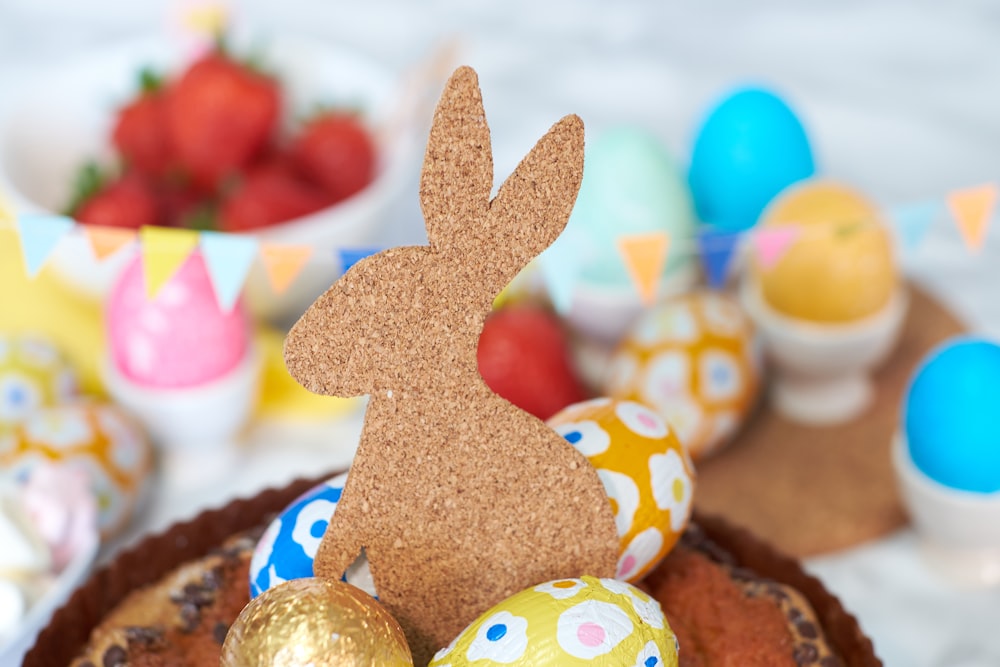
[(90, 180)]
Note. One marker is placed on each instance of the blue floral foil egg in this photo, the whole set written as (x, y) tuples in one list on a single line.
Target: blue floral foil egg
[(288, 547), (950, 415)]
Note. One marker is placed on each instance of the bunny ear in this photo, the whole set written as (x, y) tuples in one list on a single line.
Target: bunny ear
[(457, 176), (534, 203)]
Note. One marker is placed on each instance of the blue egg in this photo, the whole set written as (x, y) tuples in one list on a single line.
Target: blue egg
[(288, 547), (951, 415), (750, 147)]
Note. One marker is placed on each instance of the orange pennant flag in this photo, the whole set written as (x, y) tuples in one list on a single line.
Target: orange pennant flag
[(283, 263), (973, 209), (106, 241), (645, 255)]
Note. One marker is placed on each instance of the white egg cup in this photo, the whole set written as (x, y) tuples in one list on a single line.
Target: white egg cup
[(959, 531), (823, 371), (196, 428)]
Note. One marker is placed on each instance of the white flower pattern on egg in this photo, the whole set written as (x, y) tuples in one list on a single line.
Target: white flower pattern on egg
[(622, 489), (62, 429), (502, 638), (304, 533), (562, 589), (639, 553), (720, 376), (19, 396), (586, 436), (264, 549), (672, 488), (649, 656), (647, 608), (592, 628), (667, 377), (641, 420)]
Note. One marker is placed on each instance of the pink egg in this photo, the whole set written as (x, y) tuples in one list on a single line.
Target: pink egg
[(179, 339)]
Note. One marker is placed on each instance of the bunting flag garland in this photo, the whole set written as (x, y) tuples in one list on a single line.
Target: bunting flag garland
[(972, 209), (106, 241), (717, 250), (164, 250), (913, 221), (228, 258), (40, 234), (283, 263), (772, 243), (351, 256), (645, 255)]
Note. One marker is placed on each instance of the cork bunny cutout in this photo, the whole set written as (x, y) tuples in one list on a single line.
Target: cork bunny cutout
[(459, 498)]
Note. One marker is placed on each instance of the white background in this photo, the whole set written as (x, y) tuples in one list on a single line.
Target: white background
[(902, 99)]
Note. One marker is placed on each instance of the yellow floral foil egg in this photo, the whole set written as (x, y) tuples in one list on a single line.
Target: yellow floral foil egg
[(840, 267), (33, 375), (566, 623), (646, 472), (99, 439), (695, 360)]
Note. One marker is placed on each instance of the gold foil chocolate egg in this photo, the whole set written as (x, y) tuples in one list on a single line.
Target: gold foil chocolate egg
[(694, 359), (567, 623), (315, 622), (646, 472)]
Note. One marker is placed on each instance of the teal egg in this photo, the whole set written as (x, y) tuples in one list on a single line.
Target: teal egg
[(750, 147), (631, 185)]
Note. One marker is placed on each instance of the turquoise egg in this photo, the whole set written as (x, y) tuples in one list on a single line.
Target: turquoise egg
[(950, 415), (631, 185), (749, 148)]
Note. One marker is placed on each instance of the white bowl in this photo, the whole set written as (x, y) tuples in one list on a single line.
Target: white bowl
[(62, 120), (12, 649), (959, 530), (822, 371)]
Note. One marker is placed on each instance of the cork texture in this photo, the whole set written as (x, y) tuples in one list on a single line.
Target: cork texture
[(814, 490), (458, 498)]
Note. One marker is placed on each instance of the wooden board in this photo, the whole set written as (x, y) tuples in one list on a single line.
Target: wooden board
[(813, 490)]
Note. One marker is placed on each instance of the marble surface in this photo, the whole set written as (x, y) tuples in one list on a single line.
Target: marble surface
[(900, 98)]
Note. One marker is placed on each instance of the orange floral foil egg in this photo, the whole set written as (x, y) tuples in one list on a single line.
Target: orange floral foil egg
[(646, 472), (695, 360), (101, 440)]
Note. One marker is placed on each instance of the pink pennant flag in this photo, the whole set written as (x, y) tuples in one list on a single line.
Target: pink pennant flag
[(772, 243)]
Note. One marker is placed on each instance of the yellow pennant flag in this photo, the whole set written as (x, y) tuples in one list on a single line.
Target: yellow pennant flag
[(283, 263), (106, 241), (6, 212), (645, 255), (164, 249), (972, 209)]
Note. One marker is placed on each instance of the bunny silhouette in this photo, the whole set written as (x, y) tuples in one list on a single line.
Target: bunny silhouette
[(458, 498)]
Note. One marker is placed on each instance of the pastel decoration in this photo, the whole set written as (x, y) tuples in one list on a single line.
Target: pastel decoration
[(840, 266), (913, 221), (973, 209), (283, 263), (750, 146), (100, 441), (180, 338), (631, 186), (33, 375), (646, 472), (287, 548), (771, 244), (228, 258), (63, 509), (567, 623), (694, 359), (107, 241), (351, 256), (164, 250), (40, 233), (717, 250), (645, 255), (949, 415), (24, 551)]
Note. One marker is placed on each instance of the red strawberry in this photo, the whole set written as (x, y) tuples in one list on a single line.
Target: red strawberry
[(524, 357), (269, 194), (336, 151), (127, 202), (220, 114), (140, 131)]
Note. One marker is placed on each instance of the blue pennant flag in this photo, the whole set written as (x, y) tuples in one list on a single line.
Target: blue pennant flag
[(717, 249), (913, 221), (228, 258), (351, 256), (40, 233)]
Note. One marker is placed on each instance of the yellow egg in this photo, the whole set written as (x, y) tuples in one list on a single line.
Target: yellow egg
[(693, 359), (840, 267), (33, 375), (99, 439), (567, 623), (645, 470)]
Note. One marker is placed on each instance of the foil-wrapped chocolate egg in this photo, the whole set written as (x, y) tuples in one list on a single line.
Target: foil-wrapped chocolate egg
[(317, 623), (695, 360), (646, 472), (33, 375), (99, 439), (287, 548), (566, 623)]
